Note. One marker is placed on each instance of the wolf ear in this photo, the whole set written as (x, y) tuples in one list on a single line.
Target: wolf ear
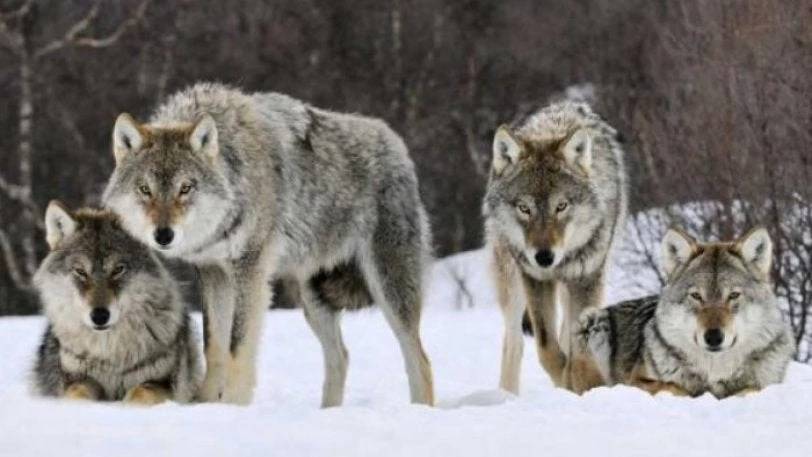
[(506, 148), (59, 223), (578, 151), (756, 249), (677, 249), (203, 138), (127, 136)]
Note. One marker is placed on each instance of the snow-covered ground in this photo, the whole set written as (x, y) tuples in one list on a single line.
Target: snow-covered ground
[(473, 418)]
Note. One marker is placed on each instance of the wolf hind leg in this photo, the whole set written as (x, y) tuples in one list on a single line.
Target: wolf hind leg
[(324, 320), (394, 276)]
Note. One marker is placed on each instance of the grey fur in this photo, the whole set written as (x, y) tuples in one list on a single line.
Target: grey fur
[(327, 199), (539, 165), (151, 340), (657, 340)]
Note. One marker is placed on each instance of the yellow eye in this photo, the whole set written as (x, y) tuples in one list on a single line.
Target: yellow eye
[(144, 190), (561, 207), (734, 295), (119, 270), (80, 274), (696, 296), (185, 189), (523, 208)]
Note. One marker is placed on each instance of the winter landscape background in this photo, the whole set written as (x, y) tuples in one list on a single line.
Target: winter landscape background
[(714, 102)]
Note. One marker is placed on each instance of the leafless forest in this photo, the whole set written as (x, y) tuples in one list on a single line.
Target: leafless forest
[(714, 99)]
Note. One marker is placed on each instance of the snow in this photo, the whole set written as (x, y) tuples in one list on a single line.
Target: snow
[(472, 418)]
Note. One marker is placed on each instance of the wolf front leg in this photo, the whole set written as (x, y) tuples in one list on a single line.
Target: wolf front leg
[(541, 304), (506, 276), (252, 300), (580, 294), (218, 293)]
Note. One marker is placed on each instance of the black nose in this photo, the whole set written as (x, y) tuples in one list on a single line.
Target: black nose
[(100, 316), (164, 236), (545, 257), (714, 338)]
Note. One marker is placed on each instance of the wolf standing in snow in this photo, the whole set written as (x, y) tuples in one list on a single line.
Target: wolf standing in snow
[(715, 327), (251, 187), (117, 329), (555, 202)]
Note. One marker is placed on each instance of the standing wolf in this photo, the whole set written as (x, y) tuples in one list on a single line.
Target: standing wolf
[(117, 329), (715, 327), (251, 187), (555, 202)]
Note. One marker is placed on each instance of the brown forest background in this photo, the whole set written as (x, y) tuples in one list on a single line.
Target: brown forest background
[(713, 97)]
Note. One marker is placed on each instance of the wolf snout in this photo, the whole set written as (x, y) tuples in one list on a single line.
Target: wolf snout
[(714, 338), (164, 236), (100, 317), (545, 257)]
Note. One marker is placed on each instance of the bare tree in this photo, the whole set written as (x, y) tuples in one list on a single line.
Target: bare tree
[(17, 35)]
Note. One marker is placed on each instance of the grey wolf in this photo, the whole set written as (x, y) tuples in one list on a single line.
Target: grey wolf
[(117, 329), (715, 327), (555, 202), (252, 187)]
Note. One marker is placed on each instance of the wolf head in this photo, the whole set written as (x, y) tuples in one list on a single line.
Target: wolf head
[(166, 186), (96, 275), (717, 296), (541, 196)]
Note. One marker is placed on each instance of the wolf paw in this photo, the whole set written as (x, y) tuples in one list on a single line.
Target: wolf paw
[(146, 395), (79, 391)]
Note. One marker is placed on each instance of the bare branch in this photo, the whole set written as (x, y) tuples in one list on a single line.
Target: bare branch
[(19, 12), (11, 261), (72, 36)]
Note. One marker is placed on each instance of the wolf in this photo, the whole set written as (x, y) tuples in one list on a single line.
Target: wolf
[(715, 327), (256, 186), (555, 202), (117, 329)]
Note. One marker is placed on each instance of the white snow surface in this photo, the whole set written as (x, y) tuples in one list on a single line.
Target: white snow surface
[(473, 417)]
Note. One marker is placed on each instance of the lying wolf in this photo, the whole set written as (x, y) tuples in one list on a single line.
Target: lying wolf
[(117, 329), (715, 327)]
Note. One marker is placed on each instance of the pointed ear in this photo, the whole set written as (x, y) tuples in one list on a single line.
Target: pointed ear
[(203, 138), (59, 223), (677, 249), (578, 151), (506, 148), (128, 136), (756, 249)]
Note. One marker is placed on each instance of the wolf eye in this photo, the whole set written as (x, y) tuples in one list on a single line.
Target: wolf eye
[(696, 296), (118, 270), (561, 207), (185, 189), (144, 190), (734, 295), (523, 208), (80, 274)]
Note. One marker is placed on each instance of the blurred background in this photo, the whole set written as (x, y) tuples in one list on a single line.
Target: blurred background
[(713, 98)]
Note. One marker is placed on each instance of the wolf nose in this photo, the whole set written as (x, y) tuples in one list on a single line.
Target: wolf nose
[(545, 257), (164, 236), (714, 338), (100, 316)]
